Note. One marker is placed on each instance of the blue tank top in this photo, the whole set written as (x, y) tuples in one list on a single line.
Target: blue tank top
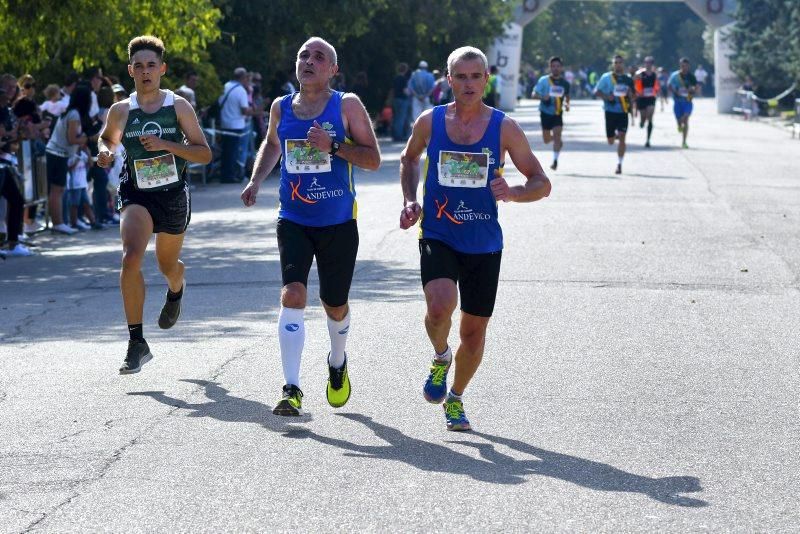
[(458, 206), (316, 188)]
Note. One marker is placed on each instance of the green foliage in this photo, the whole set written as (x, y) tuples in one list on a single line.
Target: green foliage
[(369, 35), (766, 38), (589, 33), (37, 33)]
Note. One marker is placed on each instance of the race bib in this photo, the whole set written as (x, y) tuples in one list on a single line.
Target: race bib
[(556, 91), (620, 90), (153, 173), (683, 91), (463, 169), (648, 91), (302, 158)]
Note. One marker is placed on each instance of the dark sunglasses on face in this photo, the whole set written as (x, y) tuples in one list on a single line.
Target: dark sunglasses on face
[(29, 85)]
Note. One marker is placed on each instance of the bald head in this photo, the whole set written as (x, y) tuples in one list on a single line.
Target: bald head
[(329, 48)]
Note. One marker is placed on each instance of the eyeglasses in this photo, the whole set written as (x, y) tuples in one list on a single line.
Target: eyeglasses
[(28, 85)]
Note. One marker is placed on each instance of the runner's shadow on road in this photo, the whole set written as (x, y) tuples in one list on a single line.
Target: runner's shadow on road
[(224, 407), (493, 466), (500, 468)]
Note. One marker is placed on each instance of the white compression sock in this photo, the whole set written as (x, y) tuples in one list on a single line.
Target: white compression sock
[(555, 154), (338, 331), (291, 337), (620, 159)]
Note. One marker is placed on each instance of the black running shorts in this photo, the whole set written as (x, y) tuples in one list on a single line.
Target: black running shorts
[(476, 274), (615, 122), (171, 211), (551, 121), (335, 248), (644, 102)]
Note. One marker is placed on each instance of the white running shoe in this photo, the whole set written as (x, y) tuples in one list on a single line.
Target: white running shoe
[(19, 250), (82, 226), (31, 228), (63, 229)]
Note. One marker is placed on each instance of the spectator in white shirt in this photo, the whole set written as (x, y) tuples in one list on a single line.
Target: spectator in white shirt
[(234, 108), (188, 87), (701, 75)]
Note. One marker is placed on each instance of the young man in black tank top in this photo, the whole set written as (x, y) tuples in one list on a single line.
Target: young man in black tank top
[(164, 211)]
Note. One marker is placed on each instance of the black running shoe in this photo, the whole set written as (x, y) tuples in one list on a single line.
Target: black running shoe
[(171, 310), (647, 144), (291, 403), (554, 166), (138, 355), (619, 169)]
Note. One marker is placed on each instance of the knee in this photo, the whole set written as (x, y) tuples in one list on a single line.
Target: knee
[(473, 338), (439, 309), (166, 267), (132, 258), (610, 140), (293, 296)]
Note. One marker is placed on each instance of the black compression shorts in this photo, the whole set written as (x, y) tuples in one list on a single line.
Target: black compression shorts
[(335, 248), (476, 274)]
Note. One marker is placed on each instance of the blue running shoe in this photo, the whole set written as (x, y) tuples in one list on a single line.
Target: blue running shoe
[(435, 389), (455, 416)]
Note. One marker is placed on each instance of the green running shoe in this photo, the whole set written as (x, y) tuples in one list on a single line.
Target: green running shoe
[(338, 391), (291, 404), (455, 416)]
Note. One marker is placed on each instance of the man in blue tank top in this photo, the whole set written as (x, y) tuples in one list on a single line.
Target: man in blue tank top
[(320, 134), (460, 238), (160, 133)]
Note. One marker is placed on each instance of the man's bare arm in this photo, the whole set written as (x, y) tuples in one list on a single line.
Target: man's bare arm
[(409, 158), (537, 185), (364, 151), (111, 134), (270, 150)]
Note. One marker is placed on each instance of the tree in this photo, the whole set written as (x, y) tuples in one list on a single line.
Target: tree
[(39, 33), (766, 38), (369, 35)]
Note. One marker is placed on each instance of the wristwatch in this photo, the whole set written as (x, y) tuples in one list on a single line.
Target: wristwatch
[(334, 148)]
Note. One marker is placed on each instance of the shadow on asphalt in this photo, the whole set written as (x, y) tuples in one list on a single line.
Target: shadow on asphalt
[(493, 466)]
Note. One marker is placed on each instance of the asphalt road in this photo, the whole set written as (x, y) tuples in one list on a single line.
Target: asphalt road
[(641, 371)]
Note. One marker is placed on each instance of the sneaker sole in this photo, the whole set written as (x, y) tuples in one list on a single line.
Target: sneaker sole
[(143, 360), (287, 410), (459, 428), (434, 400), (163, 322)]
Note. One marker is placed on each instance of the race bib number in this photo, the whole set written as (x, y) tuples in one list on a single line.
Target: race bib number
[(153, 173), (648, 91), (302, 158), (620, 90), (463, 169), (556, 91), (683, 91)]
